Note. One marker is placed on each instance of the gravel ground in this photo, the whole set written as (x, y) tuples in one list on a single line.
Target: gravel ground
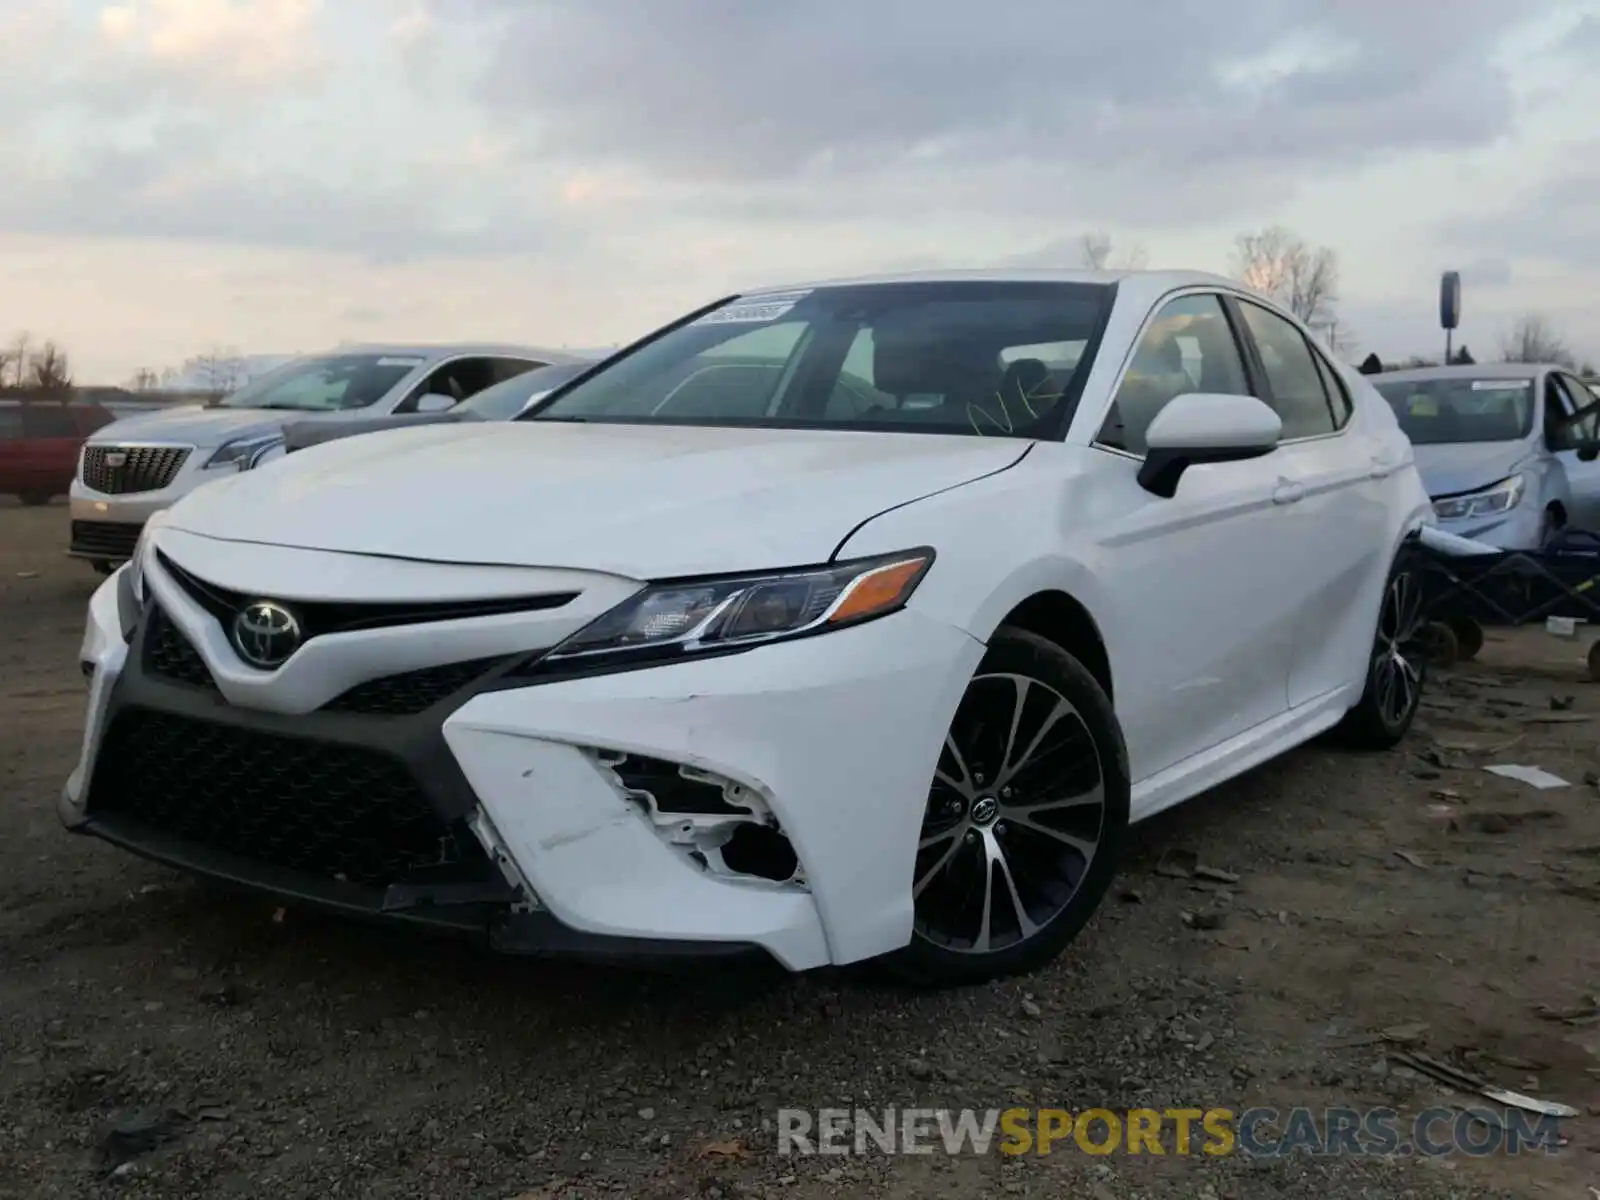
[(158, 1038)]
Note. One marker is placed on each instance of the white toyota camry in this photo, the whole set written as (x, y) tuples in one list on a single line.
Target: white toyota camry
[(850, 620)]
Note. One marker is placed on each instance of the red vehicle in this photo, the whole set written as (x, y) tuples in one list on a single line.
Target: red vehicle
[(39, 445)]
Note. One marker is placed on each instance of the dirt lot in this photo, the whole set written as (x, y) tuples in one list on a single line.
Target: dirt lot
[(159, 1039)]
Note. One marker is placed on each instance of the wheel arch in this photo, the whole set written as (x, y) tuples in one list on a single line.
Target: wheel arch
[(1064, 620)]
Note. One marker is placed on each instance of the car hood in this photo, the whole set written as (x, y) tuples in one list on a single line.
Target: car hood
[(197, 425), (647, 502), (1465, 467)]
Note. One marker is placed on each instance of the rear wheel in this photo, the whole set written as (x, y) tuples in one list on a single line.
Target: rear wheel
[(1025, 818), (1398, 665)]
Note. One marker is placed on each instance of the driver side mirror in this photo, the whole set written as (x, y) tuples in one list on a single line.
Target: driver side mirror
[(1205, 427), (435, 402)]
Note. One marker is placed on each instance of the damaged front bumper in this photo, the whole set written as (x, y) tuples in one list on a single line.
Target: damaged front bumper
[(767, 801)]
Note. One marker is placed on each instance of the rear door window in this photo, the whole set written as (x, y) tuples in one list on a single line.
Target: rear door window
[(1298, 391)]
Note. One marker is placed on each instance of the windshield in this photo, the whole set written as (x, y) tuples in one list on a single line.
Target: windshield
[(334, 381), (992, 359), (506, 399), (1437, 411)]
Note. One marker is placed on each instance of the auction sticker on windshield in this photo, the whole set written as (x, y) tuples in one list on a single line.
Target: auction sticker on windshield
[(1499, 385), (751, 310), (400, 362)]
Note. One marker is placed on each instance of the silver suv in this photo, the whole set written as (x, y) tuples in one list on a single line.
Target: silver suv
[(138, 466)]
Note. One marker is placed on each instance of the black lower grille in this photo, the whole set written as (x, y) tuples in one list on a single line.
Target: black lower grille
[(321, 809), (409, 693), (125, 470), (105, 539), (169, 654)]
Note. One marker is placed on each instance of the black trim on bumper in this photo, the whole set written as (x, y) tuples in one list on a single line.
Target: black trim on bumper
[(491, 924), (104, 541)]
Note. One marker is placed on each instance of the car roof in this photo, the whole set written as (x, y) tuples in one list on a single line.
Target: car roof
[(1145, 284), (1467, 371), (440, 350)]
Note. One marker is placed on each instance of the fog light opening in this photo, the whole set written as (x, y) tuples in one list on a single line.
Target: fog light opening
[(761, 851)]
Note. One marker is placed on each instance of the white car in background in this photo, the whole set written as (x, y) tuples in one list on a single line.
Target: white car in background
[(1506, 450), (501, 402), (845, 620), (137, 466)]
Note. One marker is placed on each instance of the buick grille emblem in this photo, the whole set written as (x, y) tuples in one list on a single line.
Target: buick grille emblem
[(265, 634)]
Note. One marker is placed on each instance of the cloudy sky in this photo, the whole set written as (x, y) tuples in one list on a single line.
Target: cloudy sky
[(279, 175)]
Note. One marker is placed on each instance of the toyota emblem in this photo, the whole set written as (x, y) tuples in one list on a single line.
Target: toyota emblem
[(265, 634)]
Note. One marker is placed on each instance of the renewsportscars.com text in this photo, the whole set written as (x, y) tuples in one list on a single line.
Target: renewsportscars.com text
[(1257, 1132)]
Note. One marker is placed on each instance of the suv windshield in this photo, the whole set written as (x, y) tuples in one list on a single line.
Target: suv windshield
[(323, 384), (505, 400), (996, 359), (1455, 410)]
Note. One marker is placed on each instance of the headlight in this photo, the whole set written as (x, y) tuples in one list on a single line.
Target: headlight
[(265, 454), (673, 620), (238, 453), (1502, 497)]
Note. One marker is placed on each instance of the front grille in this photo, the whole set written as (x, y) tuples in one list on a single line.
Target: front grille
[(409, 693), (139, 469), (318, 617), (330, 811), (169, 654), (110, 540)]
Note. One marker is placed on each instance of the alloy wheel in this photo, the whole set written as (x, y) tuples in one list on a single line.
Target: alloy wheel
[(1015, 816), (1396, 675)]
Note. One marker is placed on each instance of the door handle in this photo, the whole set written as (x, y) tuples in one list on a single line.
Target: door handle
[(1288, 491)]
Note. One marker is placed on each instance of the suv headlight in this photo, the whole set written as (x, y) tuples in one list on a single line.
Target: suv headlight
[(673, 620), (238, 453), (1501, 497)]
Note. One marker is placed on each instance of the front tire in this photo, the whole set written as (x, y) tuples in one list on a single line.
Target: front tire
[(1025, 819), (1398, 666), (33, 499)]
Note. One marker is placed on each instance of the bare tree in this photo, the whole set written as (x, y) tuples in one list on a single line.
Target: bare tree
[(18, 354), (1532, 339), (1096, 252), (48, 369), (1340, 337), (1279, 263), (219, 370), (145, 379)]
